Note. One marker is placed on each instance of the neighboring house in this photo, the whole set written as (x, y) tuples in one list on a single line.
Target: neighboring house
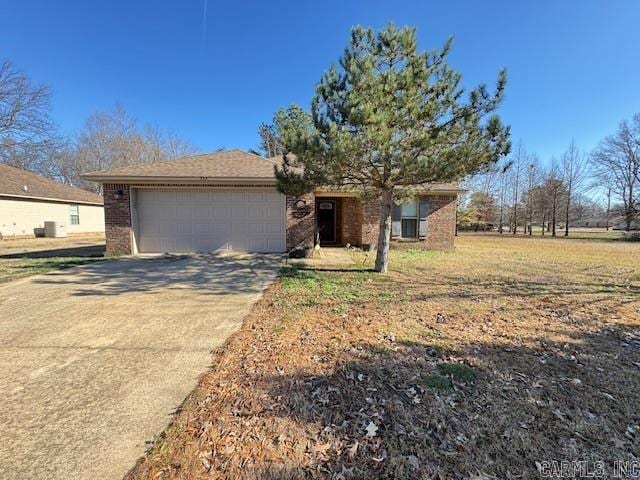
[(28, 200), (621, 225), (228, 200), (591, 222), (596, 222)]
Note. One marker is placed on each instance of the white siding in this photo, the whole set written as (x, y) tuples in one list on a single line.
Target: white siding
[(21, 217)]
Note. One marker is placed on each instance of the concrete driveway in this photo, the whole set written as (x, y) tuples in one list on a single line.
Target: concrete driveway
[(95, 359)]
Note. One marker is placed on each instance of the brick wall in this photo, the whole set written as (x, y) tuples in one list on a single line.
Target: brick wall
[(117, 219), (441, 226), (370, 222), (301, 221), (441, 222), (359, 221), (351, 218)]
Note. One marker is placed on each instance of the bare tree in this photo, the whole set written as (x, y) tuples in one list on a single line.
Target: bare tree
[(24, 108), (574, 174), (555, 191), (517, 169), (533, 178), (27, 133), (269, 140), (113, 139), (617, 159), (503, 188)]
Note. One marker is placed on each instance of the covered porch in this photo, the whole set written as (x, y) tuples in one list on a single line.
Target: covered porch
[(339, 220)]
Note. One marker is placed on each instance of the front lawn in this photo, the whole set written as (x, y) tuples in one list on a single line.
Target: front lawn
[(25, 257), (15, 268), (483, 363)]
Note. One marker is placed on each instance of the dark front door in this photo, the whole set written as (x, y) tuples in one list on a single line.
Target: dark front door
[(326, 218)]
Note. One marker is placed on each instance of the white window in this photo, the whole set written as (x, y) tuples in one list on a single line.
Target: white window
[(409, 218), (74, 211)]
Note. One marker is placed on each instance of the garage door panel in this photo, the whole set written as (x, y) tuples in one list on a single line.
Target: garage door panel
[(201, 196), (201, 212), (275, 245), (164, 212), (210, 219), (257, 244), (219, 196), (164, 228), (274, 212), (185, 211), (273, 228), (256, 212), (185, 196), (240, 196), (256, 228), (238, 213), (164, 196), (220, 212)]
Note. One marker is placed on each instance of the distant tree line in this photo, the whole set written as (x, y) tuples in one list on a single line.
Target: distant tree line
[(521, 195), (29, 138)]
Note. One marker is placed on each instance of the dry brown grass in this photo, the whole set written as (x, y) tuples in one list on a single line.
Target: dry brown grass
[(31, 256), (473, 364)]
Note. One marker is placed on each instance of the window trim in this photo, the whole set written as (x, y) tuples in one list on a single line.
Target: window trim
[(415, 218), (75, 216)]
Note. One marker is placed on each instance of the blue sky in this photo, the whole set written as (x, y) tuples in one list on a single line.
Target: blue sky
[(573, 65)]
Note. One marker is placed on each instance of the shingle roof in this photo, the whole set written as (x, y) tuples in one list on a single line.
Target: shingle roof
[(227, 164), (223, 165), (14, 180)]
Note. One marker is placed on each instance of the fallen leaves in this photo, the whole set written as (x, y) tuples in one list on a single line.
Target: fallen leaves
[(459, 373), (371, 429)]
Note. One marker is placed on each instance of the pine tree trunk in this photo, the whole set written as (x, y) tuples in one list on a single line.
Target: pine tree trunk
[(384, 236)]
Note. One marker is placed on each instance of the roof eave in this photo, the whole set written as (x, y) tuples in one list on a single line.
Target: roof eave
[(51, 199), (174, 179)]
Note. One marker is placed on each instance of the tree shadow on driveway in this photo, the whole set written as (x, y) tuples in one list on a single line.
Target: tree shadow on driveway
[(86, 251), (211, 274)]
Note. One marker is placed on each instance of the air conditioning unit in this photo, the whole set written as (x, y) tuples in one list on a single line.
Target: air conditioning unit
[(55, 230)]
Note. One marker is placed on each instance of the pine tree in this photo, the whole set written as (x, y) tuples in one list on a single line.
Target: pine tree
[(390, 119)]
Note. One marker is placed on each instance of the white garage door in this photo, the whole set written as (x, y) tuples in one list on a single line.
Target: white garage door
[(204, 220)]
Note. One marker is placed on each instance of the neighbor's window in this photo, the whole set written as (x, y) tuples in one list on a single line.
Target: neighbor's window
[(75, 214), (409, 214)]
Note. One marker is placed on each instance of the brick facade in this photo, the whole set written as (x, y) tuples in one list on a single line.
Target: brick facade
[(370, 223), (351, 215), (117, 219), (358, 221), (301, 221), (441, 227)]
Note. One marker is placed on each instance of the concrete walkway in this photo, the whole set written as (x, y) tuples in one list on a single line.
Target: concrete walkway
[(94, 360)]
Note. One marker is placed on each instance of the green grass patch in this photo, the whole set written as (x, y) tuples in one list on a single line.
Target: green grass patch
[(340, 309), (459, 371), (15, 268), (306, 284), (437, 382), (279, 329)]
